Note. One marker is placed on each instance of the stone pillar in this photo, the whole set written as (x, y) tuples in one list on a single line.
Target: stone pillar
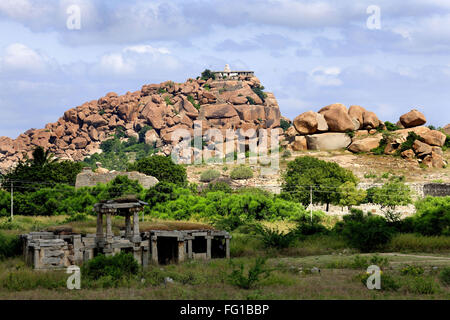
[(145, 257), (208, 247), (127, 225), (190, 254), (154, 240), (136, 234), (181, 250), (227, 247), (99, 235), (36, 258), (109, 233)]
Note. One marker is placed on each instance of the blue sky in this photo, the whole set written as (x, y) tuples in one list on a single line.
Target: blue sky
[(309, 53)]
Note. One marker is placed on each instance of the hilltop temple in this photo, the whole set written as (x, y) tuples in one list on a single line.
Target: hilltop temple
[(227, 74)]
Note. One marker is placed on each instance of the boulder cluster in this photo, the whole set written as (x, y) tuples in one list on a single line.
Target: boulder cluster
[(358, 130), (165, 107), (329, 128)]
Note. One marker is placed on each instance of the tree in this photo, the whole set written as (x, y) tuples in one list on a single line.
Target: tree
[(350, 195), (208, 74), (121, 186), (323, 177), (162, 168), (390, 195), (43, 168)]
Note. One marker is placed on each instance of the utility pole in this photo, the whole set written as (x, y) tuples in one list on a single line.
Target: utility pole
[(311, 202), (12, 201)]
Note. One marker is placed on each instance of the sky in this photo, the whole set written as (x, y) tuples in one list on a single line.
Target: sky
[(387, 56)]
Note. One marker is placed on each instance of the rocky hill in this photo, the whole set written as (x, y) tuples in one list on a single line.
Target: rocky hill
[(165, 107)]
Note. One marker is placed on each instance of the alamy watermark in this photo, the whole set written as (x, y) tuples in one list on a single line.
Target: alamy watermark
[(374, 280), (227, 146), (74, 280), (374, 20), (73, 21)]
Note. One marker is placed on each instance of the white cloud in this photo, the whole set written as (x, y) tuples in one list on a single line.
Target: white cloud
[(325, 76), (142, 49), (18, 56)]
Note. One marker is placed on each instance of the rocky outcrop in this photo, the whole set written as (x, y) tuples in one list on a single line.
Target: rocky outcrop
[(165, 107), (310, 122), (88, 178)]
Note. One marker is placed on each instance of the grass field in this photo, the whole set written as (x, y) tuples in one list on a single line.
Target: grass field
[(292, 272)]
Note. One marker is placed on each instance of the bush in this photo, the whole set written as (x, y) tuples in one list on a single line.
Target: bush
[(218, 186), (421, 285), (284, 124), (390, 126), (409, 270), (273, 238), (238, 277), (10, 246), (433, 216), (388, 283), (120, 266), (260, 93), (241, 172), (209, 175), (208, 74), (162, 168), (408, 144), (367, 233), (444, 276)]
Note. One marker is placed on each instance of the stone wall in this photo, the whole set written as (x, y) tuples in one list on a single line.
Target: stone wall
[(87, 178), (436, 189)]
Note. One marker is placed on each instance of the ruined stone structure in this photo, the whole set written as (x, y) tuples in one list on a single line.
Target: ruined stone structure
[(88, 178), (60, 249)]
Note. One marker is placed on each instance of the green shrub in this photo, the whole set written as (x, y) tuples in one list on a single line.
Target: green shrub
[(218, 186), (76, 217), (209, 175), (229, 223), (162, 168), (120, 266), (433, 216), (388, 283), (444, 276), (409, 270), (208, 74), (390, 126), (285, 124), (10, 246), (241, 172), (273, 238), (250, 100), (260, 93), (408, 144), (422, 285), (367, 233), (253, 277)]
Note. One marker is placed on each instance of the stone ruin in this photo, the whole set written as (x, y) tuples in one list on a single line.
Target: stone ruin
[(60, 249)]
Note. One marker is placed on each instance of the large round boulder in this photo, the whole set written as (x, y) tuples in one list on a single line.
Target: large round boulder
[(413, 118), (337, 118), (310, 122)]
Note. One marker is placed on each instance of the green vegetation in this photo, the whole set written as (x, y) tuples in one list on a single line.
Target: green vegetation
[(285, 124), (116, 154), (260, 93), (113, 268), (444, 276), (192, 100), (252, 278), (10, 246), (241, 172), (324, 177), (208, 74), (43, 168), (250, 100), (390, 126), (209, 175), (162, 168), (408, 144)]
